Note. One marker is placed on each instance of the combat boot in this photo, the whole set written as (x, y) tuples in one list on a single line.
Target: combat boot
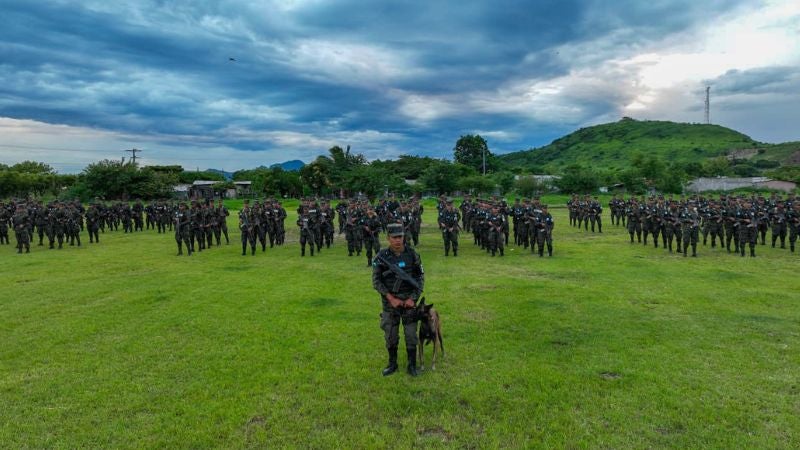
[(753, 252), (392, 367), (412, 362), (455, 252)]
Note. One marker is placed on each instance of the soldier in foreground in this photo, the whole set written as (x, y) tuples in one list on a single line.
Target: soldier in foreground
[(398, 277)]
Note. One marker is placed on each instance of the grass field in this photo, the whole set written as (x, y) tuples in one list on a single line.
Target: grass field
[(605, 345)]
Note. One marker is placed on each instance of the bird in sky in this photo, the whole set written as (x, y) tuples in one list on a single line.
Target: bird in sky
[(232, 59)]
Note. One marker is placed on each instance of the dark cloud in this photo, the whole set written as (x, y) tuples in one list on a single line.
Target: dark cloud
[(762, 80), (405, 75)]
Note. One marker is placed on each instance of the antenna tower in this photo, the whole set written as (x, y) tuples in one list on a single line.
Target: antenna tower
[(708, 105)]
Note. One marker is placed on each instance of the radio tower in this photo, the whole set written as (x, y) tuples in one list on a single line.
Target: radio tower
[(708, 105)]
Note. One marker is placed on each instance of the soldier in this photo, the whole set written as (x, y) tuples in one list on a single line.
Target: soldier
[(633, 213), (544, 233), (747, 218), (595, 214), (21, 221), (40, 219), (74, 225), (247, 225), (198, 227), (352, 232), (5, 217), (399, 295), (327, 216), (138, 210), (672, 225), (371, 228), (306, 222), (495, 224), (793, 222), (183, 233), (690, 221), (449, 225), (714, 220), (222, 222), (93, 223), (778, 220)]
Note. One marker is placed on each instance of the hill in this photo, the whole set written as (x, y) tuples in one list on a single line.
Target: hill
[(612, 145), (289, 166)]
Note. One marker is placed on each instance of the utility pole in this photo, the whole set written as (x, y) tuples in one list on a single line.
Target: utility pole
[(133, 158), (708, 105), (483, 152)]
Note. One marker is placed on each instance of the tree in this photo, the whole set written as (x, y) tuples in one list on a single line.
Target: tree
[(441, 177), (528, 186), (477, 184), (470, 151), (504, 180), (33, 167), (316, 176), (578, 179)]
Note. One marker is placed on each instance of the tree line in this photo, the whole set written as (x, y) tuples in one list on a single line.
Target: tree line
[(341, 173)]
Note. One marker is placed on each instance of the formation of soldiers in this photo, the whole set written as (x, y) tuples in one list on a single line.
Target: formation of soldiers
[(740, 221), (197, 227), (264, 221), (60, 222), (359, 221), (490, 222), (587, 211)]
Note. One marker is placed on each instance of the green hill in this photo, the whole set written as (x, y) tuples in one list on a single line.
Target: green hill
[(612, 145)]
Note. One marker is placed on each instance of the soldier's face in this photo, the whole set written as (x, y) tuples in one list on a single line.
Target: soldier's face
[(396, 243)]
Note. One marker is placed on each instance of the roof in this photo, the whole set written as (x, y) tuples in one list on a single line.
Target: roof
[(204, 182), (244, 183)]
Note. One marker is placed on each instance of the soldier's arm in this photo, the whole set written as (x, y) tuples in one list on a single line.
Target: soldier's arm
[(377, 282), (419, 273)]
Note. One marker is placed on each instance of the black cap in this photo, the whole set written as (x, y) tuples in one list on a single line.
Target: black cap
[(395, 229)]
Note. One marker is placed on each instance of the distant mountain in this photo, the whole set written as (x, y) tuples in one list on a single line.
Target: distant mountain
[(612, 145), (228, 175), (289, 166)]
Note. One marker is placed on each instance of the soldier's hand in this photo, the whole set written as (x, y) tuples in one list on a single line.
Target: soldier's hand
[(409, 303), (393, 301)]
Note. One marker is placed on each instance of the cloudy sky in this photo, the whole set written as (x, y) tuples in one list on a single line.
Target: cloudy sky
[(233, 84)]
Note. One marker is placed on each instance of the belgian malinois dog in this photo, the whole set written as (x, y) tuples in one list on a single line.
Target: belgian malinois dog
[(430, 330)]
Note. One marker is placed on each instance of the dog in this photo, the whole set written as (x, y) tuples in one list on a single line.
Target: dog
[(430, 330)]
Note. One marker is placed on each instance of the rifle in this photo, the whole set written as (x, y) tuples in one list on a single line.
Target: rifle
[(400, 273)]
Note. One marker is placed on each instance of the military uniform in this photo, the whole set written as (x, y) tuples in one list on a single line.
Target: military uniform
[(247, 227), (449, 224), (21, 222), (386, 282), (183, 233)]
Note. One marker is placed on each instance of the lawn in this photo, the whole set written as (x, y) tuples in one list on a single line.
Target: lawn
[(606, 344)]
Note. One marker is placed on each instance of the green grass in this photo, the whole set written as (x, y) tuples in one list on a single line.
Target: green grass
[(606, 344)]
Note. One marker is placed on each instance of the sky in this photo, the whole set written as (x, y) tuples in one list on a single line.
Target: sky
[(234, 84)]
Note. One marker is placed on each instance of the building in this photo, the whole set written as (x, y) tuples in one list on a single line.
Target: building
[(242, 189), (202, 190), (731, 184)]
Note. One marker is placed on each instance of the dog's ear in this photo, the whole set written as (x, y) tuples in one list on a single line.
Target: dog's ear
[(428, 307), (421, 301)]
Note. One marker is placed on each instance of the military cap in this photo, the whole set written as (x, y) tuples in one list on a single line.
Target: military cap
[(395, 229)]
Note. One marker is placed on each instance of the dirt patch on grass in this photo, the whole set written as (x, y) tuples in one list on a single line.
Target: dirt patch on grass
[(256, 421), (435, 432), (610, 375)]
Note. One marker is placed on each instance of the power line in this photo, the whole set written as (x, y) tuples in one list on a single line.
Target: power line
[(133, 158)]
